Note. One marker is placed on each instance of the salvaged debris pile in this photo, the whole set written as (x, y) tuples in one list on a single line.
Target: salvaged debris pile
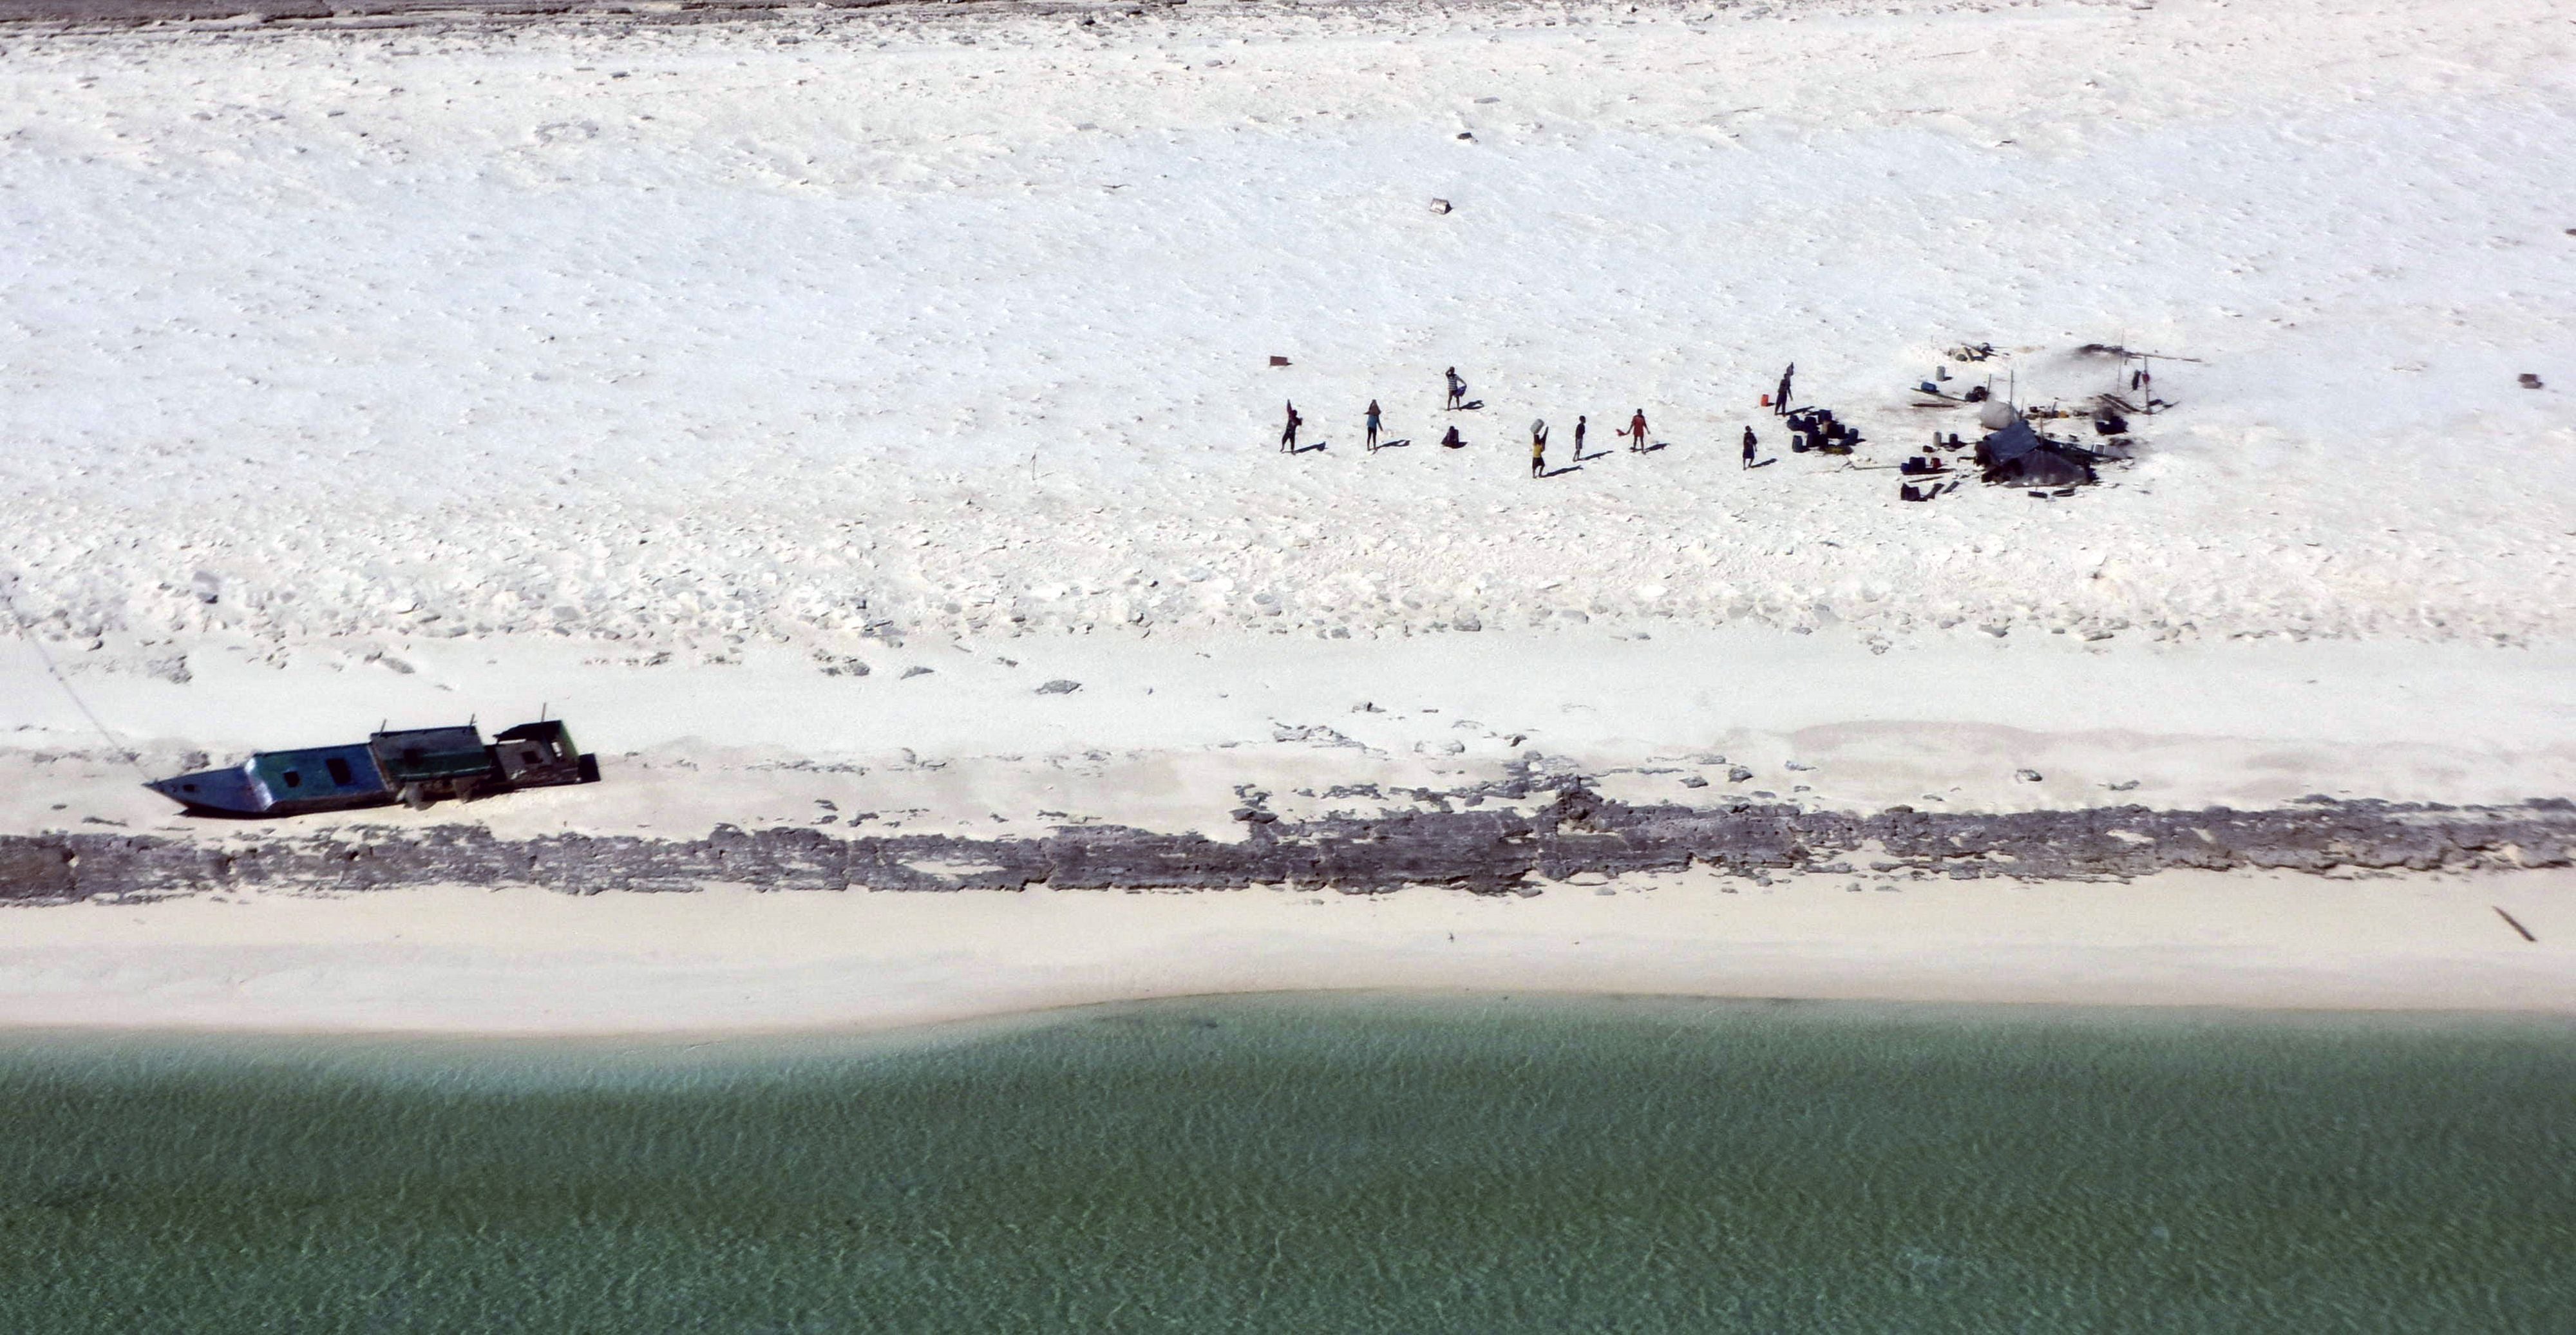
[(1817, 429), (1937, 391)]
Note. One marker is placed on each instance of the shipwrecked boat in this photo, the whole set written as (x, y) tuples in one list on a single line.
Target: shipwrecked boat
[(414, 766)]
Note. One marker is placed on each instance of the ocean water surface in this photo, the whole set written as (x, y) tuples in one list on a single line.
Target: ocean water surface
[(1313, 1164)]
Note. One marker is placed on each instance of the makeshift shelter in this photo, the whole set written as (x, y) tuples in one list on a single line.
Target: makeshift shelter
[(2015, 455)]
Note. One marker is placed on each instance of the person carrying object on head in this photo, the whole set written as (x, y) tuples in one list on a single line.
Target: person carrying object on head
[(1538, 448)]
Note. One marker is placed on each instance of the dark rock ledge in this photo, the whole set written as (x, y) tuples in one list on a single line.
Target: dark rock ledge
[(1481, 848)]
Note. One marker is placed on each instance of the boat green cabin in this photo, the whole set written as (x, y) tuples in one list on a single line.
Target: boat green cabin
[(327, 774), (431, 755)]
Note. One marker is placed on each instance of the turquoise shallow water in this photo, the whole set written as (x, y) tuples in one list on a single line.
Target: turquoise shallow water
[(1335, 1164)]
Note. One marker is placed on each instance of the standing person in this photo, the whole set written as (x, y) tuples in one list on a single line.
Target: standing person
[(1457, 388), (1748, 447), (1288, 434), (1372, 426), (1780, 401), (1581, 424), (1538, 448), (1637, 431)]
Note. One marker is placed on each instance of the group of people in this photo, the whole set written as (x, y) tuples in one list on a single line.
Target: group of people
[(1635, 431), (1800, 424)]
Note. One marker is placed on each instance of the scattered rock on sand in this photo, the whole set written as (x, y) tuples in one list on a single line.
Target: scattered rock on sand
[(1060, 686)]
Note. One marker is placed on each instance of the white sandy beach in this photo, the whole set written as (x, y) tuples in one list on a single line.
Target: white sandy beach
[(784, 401), (1163, 731), (527, 962), (671, 339)]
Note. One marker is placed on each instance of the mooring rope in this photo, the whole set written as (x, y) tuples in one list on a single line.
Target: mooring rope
[(19, 620)]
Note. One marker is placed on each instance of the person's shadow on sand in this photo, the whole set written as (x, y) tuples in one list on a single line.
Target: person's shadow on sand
[(1560, 472), (1310, 449)]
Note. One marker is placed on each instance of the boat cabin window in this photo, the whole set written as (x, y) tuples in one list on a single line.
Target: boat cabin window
[(339, 770), (527, 757), (293, 779)]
